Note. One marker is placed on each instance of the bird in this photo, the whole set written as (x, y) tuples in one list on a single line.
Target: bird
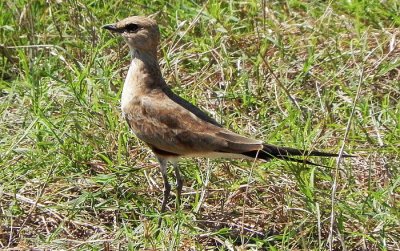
[(173, 127)]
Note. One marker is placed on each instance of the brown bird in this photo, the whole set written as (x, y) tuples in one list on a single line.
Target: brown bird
[(171, 126)]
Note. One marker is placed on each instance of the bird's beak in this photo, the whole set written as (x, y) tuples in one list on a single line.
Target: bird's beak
[(110, 27)]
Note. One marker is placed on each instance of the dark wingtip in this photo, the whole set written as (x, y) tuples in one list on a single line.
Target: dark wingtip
[(325, 154), (348, 156), (284, 153)]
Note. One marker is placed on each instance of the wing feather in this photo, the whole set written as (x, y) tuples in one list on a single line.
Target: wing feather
[(161, 122)]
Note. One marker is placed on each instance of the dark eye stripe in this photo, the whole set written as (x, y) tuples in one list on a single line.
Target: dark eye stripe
[(131, 27)]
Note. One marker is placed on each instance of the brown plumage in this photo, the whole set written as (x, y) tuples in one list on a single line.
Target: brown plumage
[(171, 126)]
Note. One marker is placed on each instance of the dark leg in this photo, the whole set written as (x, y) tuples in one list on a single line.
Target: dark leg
[(179, 184), (167, 187)]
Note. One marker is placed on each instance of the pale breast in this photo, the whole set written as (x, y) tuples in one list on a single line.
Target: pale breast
[(128, 91), (135, 84)]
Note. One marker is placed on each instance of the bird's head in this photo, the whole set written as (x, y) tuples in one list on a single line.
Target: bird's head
[(140, 33)]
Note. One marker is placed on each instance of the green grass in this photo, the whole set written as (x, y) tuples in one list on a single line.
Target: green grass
[(73, 177)]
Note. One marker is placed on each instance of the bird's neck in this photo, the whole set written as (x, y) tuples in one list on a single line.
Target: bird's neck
[(144, 70), (146, 56), (144, 76)]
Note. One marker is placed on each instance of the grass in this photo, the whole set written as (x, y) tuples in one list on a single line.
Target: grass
[(73, 176)]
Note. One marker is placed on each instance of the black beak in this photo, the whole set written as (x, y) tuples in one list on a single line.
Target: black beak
[(111, 27)]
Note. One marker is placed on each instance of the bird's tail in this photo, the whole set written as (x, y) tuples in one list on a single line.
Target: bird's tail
[(285, 153)]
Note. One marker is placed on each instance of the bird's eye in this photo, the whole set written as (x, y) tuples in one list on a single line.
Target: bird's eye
[(131, 27)]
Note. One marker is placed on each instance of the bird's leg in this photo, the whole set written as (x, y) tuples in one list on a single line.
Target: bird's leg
[(179, 183), (167, 187)]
